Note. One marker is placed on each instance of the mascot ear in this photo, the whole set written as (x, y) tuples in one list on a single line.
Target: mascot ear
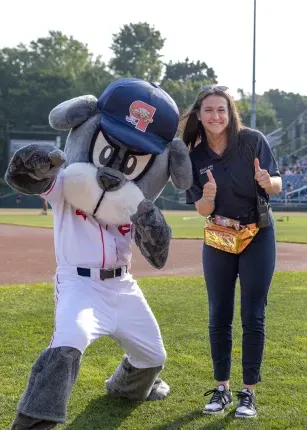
[(73, 112), (180, 165)]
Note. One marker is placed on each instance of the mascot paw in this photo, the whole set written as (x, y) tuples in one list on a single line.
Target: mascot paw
[(37, 162), (145, 211), (159, 390), (148, 221), (152, 233)]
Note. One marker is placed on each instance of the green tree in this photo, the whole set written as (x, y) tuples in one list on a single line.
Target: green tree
[(188, 70), (266, 119), (184, 93), (183, 81), (93, 79), (287, 105), (34, 78), (136, 52)]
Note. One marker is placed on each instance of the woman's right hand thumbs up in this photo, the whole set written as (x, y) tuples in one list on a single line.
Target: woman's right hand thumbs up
[(209, 190)]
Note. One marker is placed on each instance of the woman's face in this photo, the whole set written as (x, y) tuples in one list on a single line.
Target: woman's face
[(214, 114)]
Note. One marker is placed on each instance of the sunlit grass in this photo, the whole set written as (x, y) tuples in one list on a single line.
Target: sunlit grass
[(289, 228), (180, 306)]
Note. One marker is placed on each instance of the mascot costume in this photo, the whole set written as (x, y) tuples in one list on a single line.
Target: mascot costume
[(120, 153)]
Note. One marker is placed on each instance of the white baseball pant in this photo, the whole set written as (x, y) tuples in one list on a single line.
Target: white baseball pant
[(88, 308)]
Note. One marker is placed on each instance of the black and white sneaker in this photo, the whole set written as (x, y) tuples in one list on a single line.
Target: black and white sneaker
[(247, 404), (221, 399)]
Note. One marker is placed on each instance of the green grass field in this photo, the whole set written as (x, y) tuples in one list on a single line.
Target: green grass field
[(292, 228), (180, 305)]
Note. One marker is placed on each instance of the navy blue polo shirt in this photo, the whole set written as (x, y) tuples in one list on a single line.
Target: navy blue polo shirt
[(234, 175)]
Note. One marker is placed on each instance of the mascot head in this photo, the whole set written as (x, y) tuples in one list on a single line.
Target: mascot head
[(121, 149)]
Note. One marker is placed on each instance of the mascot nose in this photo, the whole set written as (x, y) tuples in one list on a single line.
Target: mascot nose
[(108, 180)]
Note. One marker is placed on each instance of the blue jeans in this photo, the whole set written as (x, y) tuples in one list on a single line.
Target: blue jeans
[(255, 267)]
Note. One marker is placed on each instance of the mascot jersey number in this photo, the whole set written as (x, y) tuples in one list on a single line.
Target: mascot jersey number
[(119, 155)]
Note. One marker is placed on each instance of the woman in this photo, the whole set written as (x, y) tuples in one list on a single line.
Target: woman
[(230, 162)]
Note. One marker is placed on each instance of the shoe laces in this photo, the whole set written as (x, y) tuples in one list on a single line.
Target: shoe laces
[(246, 398), (218, 396)]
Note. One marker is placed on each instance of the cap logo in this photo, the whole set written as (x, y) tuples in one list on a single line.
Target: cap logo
[(140, 115)]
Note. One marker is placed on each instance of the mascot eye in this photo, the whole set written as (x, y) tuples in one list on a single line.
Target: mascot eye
[(103, 152), (135, 165)]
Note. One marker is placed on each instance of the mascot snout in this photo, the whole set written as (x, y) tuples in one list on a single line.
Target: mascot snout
[(110, 179)]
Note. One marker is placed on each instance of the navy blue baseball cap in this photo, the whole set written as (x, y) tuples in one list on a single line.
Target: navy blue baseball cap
[(139, 114)]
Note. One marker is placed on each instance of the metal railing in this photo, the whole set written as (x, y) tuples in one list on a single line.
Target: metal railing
[(294, 192)]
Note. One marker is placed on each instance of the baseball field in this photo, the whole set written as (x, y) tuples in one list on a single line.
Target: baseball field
[(177, 297), (290, 226)]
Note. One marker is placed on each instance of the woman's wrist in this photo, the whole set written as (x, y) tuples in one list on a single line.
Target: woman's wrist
[(207, 200), (205, 207)]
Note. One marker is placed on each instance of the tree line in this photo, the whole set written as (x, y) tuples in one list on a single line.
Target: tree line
[(36, 77)]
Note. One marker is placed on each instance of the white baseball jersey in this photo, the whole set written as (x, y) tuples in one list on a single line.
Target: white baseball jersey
[(80, 240), (87, 308)]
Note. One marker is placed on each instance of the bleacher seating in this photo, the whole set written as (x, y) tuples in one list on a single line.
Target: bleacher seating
[(294, 177), (297, 181)]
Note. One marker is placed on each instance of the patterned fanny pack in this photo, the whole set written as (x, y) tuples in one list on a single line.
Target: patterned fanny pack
[(229, 239)]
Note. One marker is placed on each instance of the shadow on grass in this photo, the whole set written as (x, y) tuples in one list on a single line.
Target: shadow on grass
[(220, 421), (105, 413)]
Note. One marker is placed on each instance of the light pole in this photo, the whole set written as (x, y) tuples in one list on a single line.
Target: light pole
[(253, 104)]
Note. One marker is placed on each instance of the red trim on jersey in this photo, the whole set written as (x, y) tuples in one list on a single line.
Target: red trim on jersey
[(124, 229), (81, 213), (52, 186), (103, 248)]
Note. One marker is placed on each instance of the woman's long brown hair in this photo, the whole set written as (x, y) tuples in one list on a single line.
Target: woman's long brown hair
[(191, 130)]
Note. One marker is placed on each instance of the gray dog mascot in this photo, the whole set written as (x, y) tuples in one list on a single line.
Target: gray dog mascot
[(120, 153)]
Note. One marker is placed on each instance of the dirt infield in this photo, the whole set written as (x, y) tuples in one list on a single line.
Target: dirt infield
[(27, 256)]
